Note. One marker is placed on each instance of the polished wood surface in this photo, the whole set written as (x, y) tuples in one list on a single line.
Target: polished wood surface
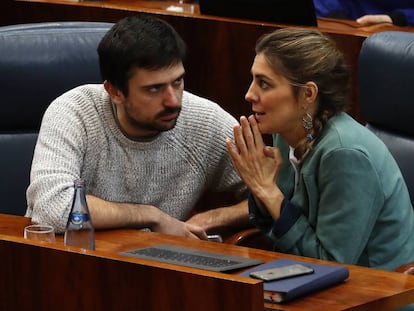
[(50, 276), (221, 50), (115, 282)]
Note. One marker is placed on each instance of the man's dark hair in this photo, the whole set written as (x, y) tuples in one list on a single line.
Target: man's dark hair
[(138, 42)]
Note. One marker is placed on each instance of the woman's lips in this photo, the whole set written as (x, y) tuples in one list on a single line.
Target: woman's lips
[(258, 116)]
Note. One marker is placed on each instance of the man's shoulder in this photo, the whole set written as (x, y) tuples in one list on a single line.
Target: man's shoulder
[(81, 102), (85, 91), (194, 100), (80, 98), (203, 119)]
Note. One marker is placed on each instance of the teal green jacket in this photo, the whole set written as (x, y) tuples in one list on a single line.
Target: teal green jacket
[(351, 206)]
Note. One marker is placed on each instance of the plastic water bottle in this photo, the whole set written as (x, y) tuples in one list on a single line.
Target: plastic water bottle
[(79, 229)]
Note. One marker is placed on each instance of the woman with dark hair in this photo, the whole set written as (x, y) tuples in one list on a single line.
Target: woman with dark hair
[(328, 188)]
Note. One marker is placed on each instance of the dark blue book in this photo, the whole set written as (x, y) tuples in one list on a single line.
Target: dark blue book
[(283, 290)]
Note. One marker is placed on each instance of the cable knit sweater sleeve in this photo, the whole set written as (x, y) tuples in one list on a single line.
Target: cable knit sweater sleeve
[(58, 160)]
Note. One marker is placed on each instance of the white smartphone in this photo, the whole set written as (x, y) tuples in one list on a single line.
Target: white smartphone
[(215, 238), (281, 272)]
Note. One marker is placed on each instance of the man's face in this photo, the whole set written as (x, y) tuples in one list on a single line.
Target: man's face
[(153, 103)]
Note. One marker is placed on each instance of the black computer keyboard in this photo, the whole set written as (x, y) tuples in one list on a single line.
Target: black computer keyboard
[(180, 257), (192, 257)]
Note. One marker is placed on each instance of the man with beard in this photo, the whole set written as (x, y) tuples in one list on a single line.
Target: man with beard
[(146, 149)]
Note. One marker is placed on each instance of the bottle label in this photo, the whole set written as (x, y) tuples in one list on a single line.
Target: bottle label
[(78, 218)]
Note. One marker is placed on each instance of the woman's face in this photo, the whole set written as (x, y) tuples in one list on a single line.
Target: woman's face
[(274, 105)]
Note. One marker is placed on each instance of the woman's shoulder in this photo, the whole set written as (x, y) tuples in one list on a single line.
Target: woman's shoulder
[(345, 139), (342, 131)]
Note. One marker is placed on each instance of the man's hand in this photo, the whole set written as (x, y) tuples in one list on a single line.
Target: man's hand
[(223, 217), (107, 215), (170, 225)]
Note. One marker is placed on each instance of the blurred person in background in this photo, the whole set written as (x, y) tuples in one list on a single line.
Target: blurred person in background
[(368, 12)]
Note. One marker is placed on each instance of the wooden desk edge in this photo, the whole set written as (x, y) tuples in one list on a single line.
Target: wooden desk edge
[(120, 282), (397, 290), (143, 262)]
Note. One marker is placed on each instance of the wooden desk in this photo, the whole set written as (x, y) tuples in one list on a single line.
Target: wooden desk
[(221, 50), (114, 282)]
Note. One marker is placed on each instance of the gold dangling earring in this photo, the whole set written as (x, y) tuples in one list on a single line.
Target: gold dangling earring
[(308, 125)]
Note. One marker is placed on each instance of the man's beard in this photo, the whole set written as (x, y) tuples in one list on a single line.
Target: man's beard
[(155, 126)]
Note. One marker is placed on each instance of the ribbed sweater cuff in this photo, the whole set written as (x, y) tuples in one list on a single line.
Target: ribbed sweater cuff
[(263, 222), (289, 214)]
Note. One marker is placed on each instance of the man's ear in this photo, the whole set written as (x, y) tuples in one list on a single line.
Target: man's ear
[(115, 93)]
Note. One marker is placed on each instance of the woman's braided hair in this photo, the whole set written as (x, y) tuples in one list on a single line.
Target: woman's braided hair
[(303, 55)]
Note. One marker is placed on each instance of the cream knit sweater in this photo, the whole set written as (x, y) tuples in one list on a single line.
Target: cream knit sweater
[(79, 138)]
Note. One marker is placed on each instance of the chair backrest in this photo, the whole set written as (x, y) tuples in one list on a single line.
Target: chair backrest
[(38, 62), (386, 85)]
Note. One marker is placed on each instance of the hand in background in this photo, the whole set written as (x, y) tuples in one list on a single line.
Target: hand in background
[(368, 20)]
